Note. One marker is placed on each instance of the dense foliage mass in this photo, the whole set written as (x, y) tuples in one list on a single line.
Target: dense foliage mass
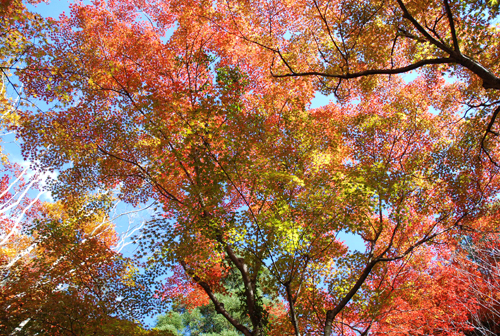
[(203, 107)]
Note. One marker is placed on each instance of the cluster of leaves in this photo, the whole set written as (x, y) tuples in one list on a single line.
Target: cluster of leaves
[(59, 274)]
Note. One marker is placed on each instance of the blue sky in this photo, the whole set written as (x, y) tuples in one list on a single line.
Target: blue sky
[(51, 9)]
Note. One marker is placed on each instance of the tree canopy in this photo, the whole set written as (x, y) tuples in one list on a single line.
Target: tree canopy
[(204, 109)]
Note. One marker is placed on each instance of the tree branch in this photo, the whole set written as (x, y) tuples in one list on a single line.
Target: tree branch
[(158, 186), (291, 302), (489, 130), (416, 65), (452, 26), (249, 286), (421, 29), (331, 314), (219, 306)]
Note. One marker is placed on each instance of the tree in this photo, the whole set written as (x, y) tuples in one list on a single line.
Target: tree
[(349, 43), (249, 179), (65, 280)]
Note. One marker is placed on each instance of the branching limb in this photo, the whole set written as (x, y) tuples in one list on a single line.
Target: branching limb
[(249, 286), (452, 26), (331, 314), (488, 131), (219, 306), (394, 71), (291, 302)]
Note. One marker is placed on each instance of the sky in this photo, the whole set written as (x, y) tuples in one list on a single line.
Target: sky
[(51, 9)]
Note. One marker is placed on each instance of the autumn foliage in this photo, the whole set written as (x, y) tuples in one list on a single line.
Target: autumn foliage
[(204, 109)]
